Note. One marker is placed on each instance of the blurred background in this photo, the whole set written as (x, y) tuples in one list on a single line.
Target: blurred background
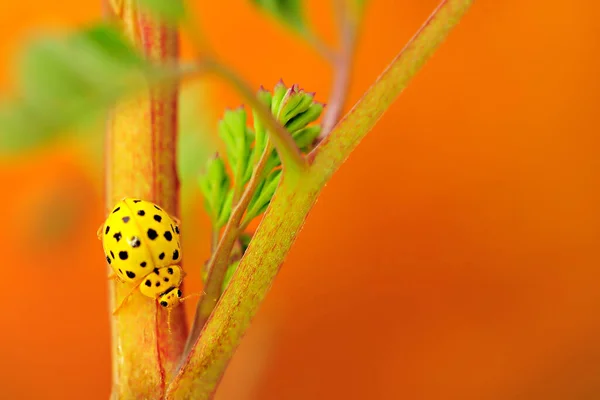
[(454, 256)]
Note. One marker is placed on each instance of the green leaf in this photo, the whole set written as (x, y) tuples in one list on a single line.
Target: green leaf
[(264, 196), (245, 239), (214, 185), (304, 138), (171, 10), (305, 116), (229, 274), (66, 81), (289, 12), (226, 209), (233, 131), (279, 92), (260, 131), (294, 102)]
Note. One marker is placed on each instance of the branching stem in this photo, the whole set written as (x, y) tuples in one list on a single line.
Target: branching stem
[(217, 266), (207, 359)]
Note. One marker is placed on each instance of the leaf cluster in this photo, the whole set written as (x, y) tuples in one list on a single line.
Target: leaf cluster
[(295, 109)]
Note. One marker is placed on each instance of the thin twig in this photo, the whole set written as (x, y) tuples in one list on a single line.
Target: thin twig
[(217, 266), (342, 65)]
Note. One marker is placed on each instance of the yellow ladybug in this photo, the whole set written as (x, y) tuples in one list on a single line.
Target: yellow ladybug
[(142, 245)]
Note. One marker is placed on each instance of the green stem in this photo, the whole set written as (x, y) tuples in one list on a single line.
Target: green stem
[(140, 161)]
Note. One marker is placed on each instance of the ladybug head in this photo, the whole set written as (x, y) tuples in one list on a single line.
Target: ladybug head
[(170, 298)]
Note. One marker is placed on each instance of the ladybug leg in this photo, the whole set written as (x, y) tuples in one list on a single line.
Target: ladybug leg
[(99, 232), (114, 277), (177, 221), (125, 300)]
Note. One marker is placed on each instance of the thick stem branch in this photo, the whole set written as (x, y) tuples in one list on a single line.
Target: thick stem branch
[(140, 162)]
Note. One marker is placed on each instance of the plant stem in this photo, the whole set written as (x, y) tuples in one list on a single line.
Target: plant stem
[(205, 364), (342, 65), (140, 162), (220, 259)]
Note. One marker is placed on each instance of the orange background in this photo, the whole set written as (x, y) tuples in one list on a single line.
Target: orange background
[(454, 256)]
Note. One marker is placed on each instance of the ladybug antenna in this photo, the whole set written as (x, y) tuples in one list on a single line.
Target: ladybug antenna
[(181, 300)]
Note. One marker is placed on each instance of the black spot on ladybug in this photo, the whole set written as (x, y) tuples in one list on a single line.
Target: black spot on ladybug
[(143, 264), (112, 255), (152, 234), (176, 229), (116, 209), (107, 229), (166, 279), (135, 242), (156, 271), (125, 219), (130, 274), (117, 236), (168, 236), (141, 213), (157, 284), (170, 271), (164, 303), (178, 293), (176, 254), (148, 283), (161, 256), (157, 218), (120, 271), (123, 255), (136, 201), (108, 259), (157, 207)]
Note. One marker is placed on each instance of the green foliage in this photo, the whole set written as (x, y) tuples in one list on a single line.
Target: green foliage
[(295, 109), (238, 140), (66, 81), (245, 239), (215, 186), (171, 10), (229, 274), (263, 195), (195, 144), (290, 12)]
